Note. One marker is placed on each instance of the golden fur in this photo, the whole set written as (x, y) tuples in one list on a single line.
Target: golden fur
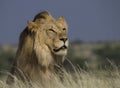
[(42, 46)]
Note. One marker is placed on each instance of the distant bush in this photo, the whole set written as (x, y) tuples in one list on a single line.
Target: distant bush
[(77, 42), (108, 52), (6, 58)]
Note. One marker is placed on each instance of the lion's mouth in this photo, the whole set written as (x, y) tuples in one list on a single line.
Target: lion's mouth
[(61, 48)]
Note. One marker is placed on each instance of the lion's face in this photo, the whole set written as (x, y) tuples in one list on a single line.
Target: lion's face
[(53, 34), (57, 38)]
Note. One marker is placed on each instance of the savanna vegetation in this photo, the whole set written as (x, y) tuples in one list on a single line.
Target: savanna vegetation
[(94, 65)]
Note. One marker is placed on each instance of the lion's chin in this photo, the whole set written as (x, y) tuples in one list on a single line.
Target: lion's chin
[(61, 52)]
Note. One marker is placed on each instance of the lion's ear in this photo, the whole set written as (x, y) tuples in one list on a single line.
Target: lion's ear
[(32, 26), (43, 16)]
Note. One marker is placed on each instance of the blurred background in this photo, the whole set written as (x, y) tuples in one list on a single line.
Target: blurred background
[(94, 29)]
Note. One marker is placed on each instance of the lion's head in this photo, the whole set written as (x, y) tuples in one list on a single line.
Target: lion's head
[(50, 37)]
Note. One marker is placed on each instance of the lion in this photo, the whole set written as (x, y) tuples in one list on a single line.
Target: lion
[(43, 45)]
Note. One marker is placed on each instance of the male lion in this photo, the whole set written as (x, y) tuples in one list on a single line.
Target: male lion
[(42, 47)]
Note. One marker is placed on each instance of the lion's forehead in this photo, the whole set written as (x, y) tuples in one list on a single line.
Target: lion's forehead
[(60, 27)]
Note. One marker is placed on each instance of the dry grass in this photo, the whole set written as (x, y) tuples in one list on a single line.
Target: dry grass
[(78, 79)]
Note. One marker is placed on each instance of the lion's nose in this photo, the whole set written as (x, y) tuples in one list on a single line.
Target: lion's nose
[(64, 39)]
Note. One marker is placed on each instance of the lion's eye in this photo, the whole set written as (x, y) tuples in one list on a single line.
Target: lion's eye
[(52, 30), (64, 29)]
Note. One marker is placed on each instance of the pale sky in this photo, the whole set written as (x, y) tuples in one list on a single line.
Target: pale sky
[(88, 20)]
